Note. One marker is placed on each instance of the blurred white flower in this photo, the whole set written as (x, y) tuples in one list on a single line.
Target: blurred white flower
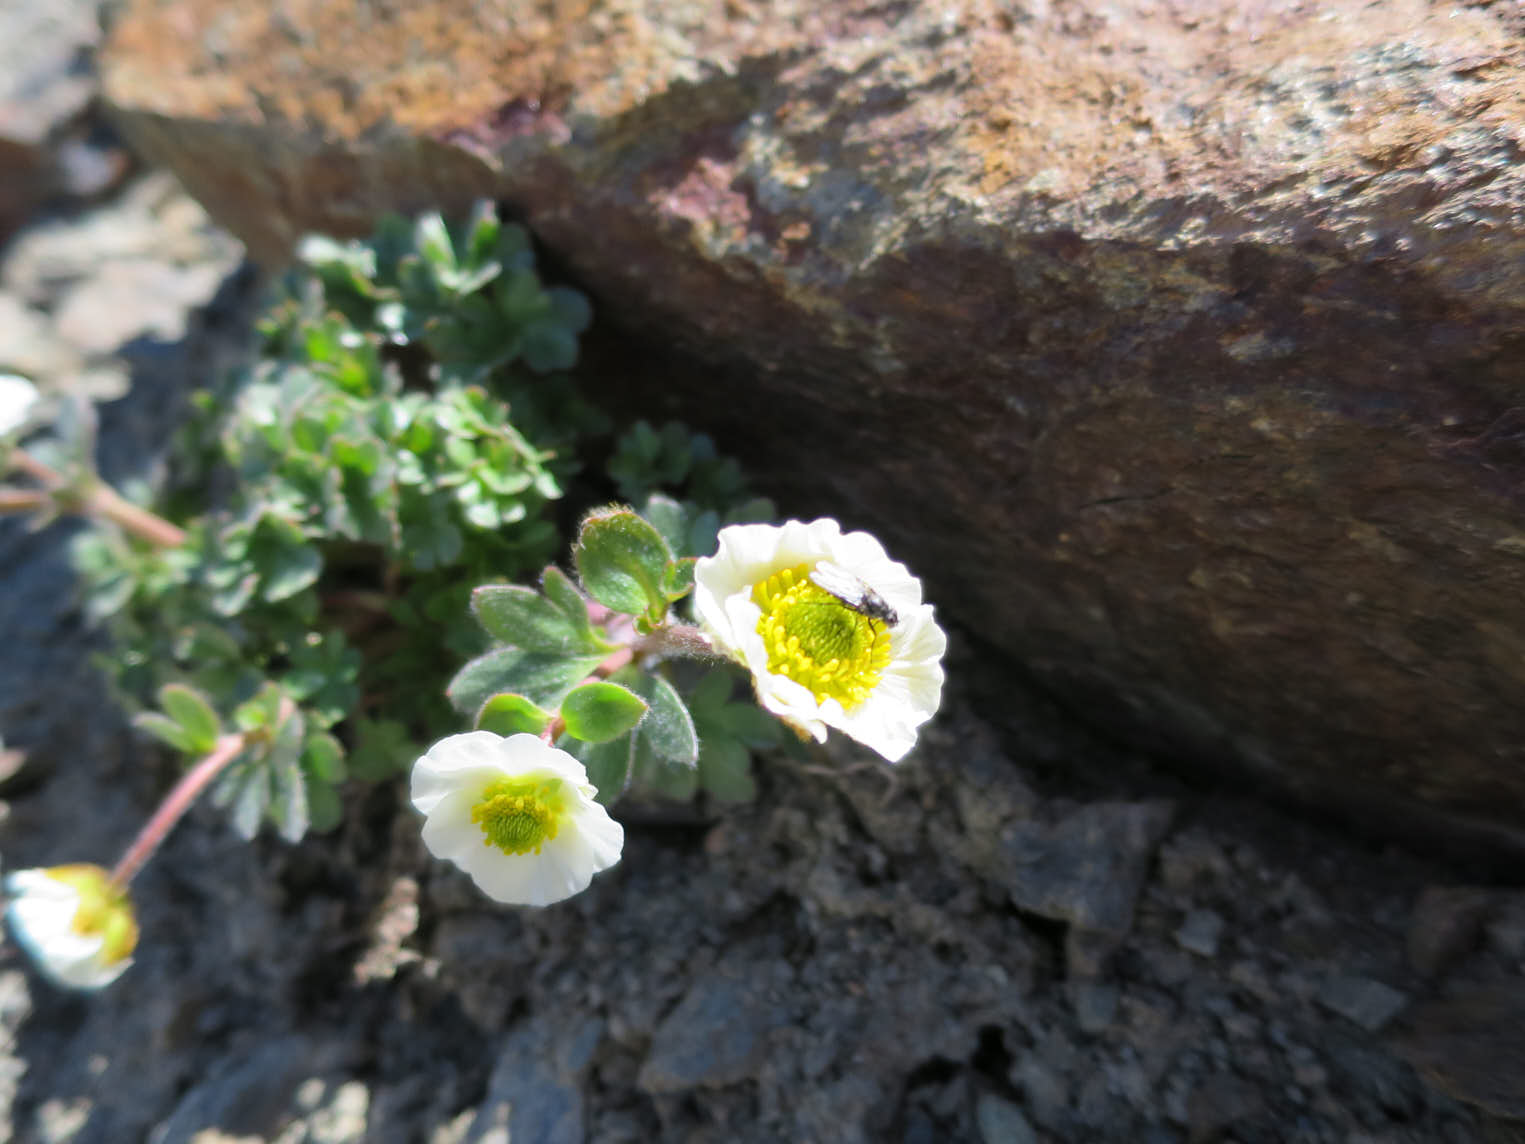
[(77, 926), (516, 814), (18, 397), (833, 631)]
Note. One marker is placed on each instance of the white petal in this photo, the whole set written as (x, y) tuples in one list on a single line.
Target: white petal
[(522, 880), (41, 919), (18, 396), (448, 831)]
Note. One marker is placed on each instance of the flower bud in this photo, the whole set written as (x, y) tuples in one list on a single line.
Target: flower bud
[(77, 925)]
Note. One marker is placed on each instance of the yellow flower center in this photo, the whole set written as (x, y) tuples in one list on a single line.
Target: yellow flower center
[(813, 638), (104, 910), (520, 815)]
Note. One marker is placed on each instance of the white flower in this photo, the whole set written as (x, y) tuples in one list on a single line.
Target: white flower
[(516, 814), (76, 925), (833, 631), (18, 397)]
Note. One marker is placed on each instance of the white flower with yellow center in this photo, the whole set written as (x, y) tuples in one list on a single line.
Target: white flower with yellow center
[(18, 397), (516, 814), (833, 631), (77, 926)]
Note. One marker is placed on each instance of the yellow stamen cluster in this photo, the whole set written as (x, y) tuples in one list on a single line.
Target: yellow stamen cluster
[(518, 815), (815, 639), (104, 910)]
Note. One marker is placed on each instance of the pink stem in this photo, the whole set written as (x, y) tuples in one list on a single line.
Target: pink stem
[(174, 806), (23, 500), (104, 501)]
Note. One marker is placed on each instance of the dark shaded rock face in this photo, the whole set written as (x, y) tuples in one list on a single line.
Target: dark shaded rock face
[(1178, 346)]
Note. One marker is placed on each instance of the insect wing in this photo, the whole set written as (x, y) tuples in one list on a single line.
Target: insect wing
[(852, 591)]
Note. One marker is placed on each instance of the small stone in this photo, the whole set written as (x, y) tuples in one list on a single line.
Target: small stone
[(1095, 1006), (535, 1091), (132, 298), (1445, 924), (1045, 1090), (1001, 1122), (28, 345), (342, 1118), (1200, 933), (1368, 1003), (1086, 868), (1472, 1048), (1217, 1103), (1088, 953), (1190, 860), (715, 1033)]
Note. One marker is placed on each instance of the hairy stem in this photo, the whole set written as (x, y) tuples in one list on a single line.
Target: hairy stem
[(173, 808), (23, 500), (100, 501)]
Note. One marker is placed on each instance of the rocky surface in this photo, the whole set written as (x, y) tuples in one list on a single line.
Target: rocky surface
[(1022, 940), (1178, 342), (51, 146)]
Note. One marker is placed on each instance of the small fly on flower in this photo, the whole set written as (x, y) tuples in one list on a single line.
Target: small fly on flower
[(853, 592)]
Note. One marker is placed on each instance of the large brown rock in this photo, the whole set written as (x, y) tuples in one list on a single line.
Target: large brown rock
[(1178, 344)]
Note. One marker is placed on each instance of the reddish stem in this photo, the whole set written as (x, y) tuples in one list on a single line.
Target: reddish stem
[(23, 500), (105, 502), (173, 808)]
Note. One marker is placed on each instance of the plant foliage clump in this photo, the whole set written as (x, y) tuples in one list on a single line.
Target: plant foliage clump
[(408, 432)]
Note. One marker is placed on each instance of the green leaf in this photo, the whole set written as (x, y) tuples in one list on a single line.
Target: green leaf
[(667, 516), (261, 712), (510, 714), (621, 560), (608, 765), (167, 731), (750, 724), (324, 809), (431, 541), (482, 233), (323, 758), (285, 561), (560, 590), (601, 711), (382, 748), (189, 708), (522, 617), (725, 770), (433, 241), (288, 786), (663, 776), (712, 691), (539, 676), (547, 347), (570, 309), (246, 792), (668, 727), (678, 578)]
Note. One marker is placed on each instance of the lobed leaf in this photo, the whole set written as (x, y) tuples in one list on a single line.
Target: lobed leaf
[(668, 727), (541, 677), (621, 560), (190, 709), (522, 617)]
